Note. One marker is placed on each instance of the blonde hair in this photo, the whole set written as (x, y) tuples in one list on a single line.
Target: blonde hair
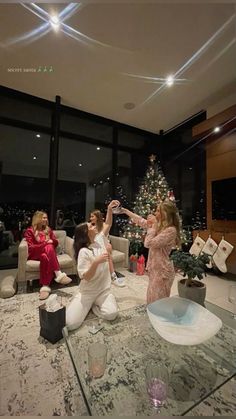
[(99, 219), (36, 220), (169, 217)]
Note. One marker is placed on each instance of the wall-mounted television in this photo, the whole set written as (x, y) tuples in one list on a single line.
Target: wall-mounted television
[(224, 199)]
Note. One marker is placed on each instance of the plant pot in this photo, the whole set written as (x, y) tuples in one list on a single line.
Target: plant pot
[(196, 292)]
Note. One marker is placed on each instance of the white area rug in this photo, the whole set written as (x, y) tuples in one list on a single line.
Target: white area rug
[(37, 378)]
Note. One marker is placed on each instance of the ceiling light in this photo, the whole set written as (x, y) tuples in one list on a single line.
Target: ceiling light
[(80, 164), (55, 22), (38, 135), (216, 129), (170, 80), (108, 178), (129, 105), (34, 158), (98, 148)]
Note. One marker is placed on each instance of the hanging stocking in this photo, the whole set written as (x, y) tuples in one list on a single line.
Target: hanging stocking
[(222, 253), (209, 248), (197, 246)]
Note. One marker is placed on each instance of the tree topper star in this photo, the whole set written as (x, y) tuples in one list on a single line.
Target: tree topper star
[(152, 158)]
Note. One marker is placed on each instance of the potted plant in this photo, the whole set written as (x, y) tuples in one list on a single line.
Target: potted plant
[(193, 268)]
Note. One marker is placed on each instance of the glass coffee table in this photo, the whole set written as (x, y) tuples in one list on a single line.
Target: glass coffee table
[(195, 372)]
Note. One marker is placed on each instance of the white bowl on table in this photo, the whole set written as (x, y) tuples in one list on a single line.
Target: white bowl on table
[(182, 322)]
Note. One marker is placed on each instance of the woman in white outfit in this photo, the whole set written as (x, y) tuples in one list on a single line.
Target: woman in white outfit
[(94, 288), (103, 229)]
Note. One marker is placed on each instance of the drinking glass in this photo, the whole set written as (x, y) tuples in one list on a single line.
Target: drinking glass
[(117, 209), (232, 298), (97, 358), (157, 379)]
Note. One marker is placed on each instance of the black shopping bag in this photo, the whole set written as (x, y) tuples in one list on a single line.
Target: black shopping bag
[(52, 323)]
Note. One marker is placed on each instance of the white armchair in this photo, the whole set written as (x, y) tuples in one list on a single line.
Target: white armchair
[(29, 269), (120, 251)]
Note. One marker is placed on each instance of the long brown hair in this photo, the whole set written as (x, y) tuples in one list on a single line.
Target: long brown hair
[(81, 238), (36, 220), (169, 217), (99, 222)]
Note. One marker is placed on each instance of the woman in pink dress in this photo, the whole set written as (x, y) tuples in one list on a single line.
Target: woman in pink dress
[(41, 246), (163, 234)]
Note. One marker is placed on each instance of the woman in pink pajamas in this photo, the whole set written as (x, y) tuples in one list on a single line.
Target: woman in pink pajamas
[(163, 234), (42, 244)]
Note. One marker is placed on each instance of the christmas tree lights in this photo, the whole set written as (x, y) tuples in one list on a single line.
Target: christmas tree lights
[(152, 191)]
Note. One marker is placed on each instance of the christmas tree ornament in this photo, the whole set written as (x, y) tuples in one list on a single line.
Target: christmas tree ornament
[(209, 248), (197, 246), (223, 251), (171, 196)]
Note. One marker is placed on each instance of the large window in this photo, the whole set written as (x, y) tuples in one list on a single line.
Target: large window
[(184, 165), (84, 179), (34, 113), (86, 128), (131, 139), (24, 185), (74, 162)]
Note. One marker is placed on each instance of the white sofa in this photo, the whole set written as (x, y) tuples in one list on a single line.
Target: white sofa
[(120, 251), (29, 269)]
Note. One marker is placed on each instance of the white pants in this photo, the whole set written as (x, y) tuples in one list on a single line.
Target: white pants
[(103, 305)]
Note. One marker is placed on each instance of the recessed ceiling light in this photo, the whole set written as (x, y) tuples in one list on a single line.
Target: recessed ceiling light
[(100, 181), (108, 178), (38, 135), (98, 148), (54, 20), (34, 158), (80, 164), (216, 129), (129, 105), (170, 80)]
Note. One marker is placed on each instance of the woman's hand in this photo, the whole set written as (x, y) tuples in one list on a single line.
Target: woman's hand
[(102, 258), (151, 220), (109, 247), (123, 211), (49, 241), (114, 203)]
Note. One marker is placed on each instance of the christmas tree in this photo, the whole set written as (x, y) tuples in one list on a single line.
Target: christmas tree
[(152, 191)]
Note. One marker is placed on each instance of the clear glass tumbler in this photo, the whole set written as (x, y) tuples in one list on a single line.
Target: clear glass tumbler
[(97, 359), (157, 379)]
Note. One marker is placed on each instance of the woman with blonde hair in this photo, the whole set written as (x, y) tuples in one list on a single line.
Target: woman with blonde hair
[(163, 234), (41, 246)]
